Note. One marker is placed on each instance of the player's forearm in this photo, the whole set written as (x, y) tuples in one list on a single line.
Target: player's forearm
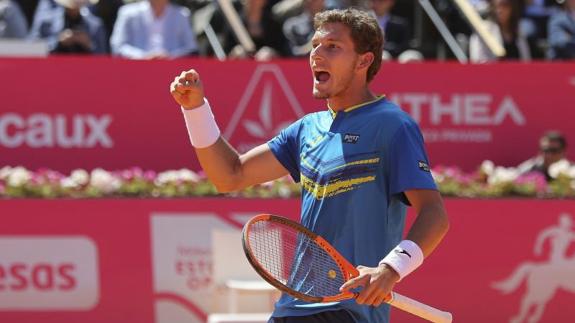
[(222, 165), (424, 235), (218, 159), (429, 228)]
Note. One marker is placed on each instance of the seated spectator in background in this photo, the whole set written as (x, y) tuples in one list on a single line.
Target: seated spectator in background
[(562, 33), (12, 21), (69, 27), (503, 24), (552, 149), (299, 29), (107, 10), (265, 31), (285, 9), (536, 16), (396, 31), (482, 6), (537, 13), (153, 29), (28, 8)]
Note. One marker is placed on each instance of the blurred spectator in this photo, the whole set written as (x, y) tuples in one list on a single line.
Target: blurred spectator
[(69, 27), (153, 29), (538, 12), (28, 8), (536, 15), (504, 25), (455, 22), (285, 9), (562, 33), (342, 4), (107, 10), (482, 6), (299, 29), (552, 150), (265, 31), (396, 31), (12, 21)]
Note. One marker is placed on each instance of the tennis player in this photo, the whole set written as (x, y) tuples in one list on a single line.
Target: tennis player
[(360, 163)]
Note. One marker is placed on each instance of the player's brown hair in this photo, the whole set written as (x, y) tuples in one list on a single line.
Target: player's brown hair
[(364, 29)]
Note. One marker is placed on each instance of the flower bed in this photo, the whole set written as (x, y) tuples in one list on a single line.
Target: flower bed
[(487, 182), (491, 181)]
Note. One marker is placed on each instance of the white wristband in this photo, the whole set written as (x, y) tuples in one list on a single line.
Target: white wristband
[(404, 258), (201, 125)]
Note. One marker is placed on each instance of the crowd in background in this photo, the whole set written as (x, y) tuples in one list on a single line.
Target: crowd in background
[(157, 29)]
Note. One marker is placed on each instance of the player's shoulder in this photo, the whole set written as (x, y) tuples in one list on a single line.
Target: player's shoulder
[(302, 123), (388, 111), (389, 119), (314, 117)]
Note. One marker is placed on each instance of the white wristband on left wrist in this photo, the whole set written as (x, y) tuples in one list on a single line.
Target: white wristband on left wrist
[(404, 258)]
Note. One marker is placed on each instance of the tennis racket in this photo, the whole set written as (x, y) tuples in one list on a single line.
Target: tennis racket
[(304, 265)]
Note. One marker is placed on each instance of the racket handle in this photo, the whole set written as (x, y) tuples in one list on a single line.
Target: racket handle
[(419, 309)]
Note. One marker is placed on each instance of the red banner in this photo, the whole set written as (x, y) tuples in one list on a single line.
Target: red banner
[(70, 112), (149, 261)]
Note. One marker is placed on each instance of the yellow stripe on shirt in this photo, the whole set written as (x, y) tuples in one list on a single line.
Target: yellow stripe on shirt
[(331, 189)]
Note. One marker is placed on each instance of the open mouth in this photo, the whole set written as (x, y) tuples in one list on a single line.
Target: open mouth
[(321, 76)]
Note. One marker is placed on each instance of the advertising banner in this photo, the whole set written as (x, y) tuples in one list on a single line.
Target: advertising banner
[(151, 261), (76, 112)]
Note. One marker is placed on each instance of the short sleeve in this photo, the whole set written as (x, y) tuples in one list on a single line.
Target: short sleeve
[(285, 147), (409, 166)]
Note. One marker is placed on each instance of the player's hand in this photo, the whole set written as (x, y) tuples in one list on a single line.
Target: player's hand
[(377, 283), (187, 89)]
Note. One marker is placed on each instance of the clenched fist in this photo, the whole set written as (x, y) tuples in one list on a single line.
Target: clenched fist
[(187, 89)]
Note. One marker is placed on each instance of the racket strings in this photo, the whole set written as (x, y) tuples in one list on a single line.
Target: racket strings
[(294, 259)]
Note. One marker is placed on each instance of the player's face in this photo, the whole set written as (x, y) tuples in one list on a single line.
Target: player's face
[(332, 60)]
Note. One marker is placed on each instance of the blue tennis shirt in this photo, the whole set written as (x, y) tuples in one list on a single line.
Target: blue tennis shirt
[(353, 167)]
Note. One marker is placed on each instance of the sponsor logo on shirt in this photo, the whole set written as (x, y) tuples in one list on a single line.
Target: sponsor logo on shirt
[(423, 166), (350, 138)]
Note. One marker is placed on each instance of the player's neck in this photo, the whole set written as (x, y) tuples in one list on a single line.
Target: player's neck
[(350, 98)]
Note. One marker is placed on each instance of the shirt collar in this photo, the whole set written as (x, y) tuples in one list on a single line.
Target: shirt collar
[(355, 107)]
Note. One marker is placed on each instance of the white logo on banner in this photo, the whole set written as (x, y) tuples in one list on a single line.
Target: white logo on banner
[(48, 273), (544, 279), (182, 265), (41, 130), (475, 111), (264, 127)]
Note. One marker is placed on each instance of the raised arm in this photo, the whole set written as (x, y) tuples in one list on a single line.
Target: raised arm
[(227, 170)]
